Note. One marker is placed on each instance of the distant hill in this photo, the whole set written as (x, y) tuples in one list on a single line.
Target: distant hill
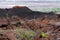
[(24, 12)]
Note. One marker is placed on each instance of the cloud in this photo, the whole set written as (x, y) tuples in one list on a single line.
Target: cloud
[(35, 3), (27, 0), (37, 0)]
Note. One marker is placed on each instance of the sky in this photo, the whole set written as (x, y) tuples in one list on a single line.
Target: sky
[(32, 4)]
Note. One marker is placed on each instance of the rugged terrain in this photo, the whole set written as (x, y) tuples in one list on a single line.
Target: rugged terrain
[(21, 23)]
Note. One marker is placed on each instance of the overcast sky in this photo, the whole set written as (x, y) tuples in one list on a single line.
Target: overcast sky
[(30, 3)]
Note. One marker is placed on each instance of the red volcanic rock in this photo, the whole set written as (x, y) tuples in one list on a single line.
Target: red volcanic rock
[(11, 36), (19, 6), (21, 9)]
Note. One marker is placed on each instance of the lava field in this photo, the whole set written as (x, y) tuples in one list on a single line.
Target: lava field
[(21, 23)]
